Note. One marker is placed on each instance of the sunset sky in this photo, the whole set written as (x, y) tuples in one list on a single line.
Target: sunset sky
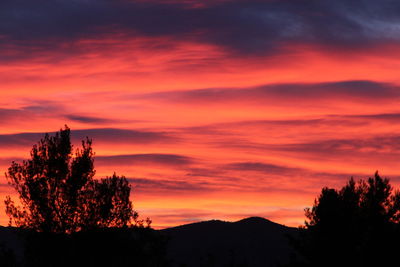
[(212, 109)]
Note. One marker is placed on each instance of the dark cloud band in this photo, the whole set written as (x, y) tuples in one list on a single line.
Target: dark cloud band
[(145, 159), (242, 26), (357, 90), (101, 135)]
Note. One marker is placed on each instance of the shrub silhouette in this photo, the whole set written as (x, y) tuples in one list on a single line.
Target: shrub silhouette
[(59, 194), (357, 225)]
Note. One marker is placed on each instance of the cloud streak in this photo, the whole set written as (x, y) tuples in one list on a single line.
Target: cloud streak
[(264, 168), (357, 90), (88, 119), (145, 159), (36, 109), (101, 135), (164, 186)]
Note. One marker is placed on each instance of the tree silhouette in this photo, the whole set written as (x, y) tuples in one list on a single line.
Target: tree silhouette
[(357, 225), (59, 194)]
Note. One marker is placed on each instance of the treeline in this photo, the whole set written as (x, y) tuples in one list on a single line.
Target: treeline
[(357, 226), (66, 217)]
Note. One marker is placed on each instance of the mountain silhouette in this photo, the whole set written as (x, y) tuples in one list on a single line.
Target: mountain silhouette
[(252, 242)]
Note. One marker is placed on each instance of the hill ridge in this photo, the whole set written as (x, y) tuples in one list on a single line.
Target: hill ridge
[(251, 220), (252, 241)]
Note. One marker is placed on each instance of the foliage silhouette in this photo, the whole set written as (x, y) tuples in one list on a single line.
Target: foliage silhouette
[(68, 218), (59, 194), (357, 225)]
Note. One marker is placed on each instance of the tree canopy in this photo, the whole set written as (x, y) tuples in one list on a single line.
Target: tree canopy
[(357, 225), (58, 192)]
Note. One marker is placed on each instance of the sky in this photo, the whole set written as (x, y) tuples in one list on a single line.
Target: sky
[(218, 109)]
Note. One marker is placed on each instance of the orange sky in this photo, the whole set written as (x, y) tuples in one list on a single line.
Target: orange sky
[(204, 129)]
